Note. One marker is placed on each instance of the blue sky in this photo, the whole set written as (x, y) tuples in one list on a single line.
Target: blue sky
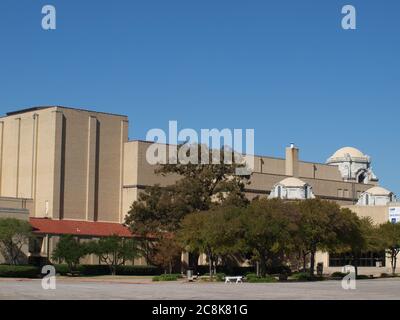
[(284, 68)]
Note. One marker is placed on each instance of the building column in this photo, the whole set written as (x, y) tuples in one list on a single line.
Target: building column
[(56, 209), (91, 169)]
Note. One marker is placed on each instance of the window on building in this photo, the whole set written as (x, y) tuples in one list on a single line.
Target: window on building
[(368, 259), (361, 178), (340, 193), (346, 193), (367, 199), (306, 192)]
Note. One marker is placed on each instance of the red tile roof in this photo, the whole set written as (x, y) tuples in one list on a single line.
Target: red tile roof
[(82, 228)]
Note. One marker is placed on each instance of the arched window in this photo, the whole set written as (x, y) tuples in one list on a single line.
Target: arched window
[(361, 177)]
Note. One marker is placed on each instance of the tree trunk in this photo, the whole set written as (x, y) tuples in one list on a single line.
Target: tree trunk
[(304, 261), (356, 263), (194, 261), (393, 262), (263, 265), (312, 263), (210, 265), (115, 263)]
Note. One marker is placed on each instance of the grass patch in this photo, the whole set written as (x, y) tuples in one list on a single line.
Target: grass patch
[(167, 277)]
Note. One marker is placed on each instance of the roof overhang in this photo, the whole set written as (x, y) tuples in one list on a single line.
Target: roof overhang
[(79, 228)]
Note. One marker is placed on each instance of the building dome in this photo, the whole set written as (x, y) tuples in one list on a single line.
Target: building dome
[(348, 151), (376, 196), (292, 189), (292, 182), (353, 165), (378, 191)]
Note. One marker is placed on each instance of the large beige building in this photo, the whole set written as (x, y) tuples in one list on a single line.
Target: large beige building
[(75, 171)]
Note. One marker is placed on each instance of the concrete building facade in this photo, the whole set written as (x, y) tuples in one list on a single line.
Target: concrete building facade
[(65, 164)]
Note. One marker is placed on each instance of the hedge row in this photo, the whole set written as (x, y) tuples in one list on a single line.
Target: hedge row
[(167, 277), (253, 278), (7, 271), (101, 270)]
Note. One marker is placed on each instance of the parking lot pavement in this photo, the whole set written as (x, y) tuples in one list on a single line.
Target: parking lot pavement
[(77, 289)]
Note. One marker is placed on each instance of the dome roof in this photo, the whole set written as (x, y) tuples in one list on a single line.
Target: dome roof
[(378, 191), (292, 182), (353, 152)]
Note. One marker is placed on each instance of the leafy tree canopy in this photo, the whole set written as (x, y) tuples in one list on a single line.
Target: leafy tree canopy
[(70, 251), (115, 251), (14, 234)]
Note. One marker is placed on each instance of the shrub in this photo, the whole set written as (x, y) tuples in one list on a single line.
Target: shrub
[(364, 277), (283, 277), (102, 270), (167, 277), (305, 276), (387, 275), (234, 271), (7, 271), (279, 270), (138, 270), (338, 275), (253, 278), (220, 277), (301, 276), (61, 269), (95, 270)]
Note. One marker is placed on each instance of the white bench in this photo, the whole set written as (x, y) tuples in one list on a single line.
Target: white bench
[(234, 279)]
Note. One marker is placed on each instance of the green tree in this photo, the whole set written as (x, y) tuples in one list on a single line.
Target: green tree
[(115, 251), (203, 186), (390, 241), (167, 253), (200, 187), (70, 251), (322, 226), (215, 233), (14, 234), (268, 229), (358, 236), (155, 213)]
